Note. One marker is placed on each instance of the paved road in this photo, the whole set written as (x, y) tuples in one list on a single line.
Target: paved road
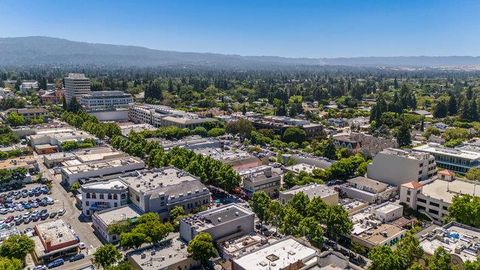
[(84, 230)]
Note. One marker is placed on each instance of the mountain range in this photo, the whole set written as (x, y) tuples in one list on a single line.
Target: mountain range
[(35, 50)]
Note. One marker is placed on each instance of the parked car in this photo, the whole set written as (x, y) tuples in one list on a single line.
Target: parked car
[(82, 245), (77, 257), (53, 214), (61, 212), (55, 263), (40, 267), (9, 219)]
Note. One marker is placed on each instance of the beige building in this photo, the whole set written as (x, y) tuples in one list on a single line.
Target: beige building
[(76, 85), (397, 166), (262, 178), (327, 194)]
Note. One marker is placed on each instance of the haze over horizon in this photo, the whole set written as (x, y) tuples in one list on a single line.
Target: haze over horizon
[(320, 29)]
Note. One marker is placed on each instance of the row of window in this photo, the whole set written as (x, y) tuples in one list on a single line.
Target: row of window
[(101, 196)]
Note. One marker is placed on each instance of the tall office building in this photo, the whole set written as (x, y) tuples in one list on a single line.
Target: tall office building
[(76, 85)]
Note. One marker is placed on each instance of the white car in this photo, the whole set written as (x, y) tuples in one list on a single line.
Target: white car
[(82, 245)]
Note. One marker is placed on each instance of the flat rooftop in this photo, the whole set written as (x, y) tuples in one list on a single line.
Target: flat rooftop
[(312, 190), (93, 166), (114, 215), (279, 255), (435, 148), (375, 185), (57, 232), (147, 180), (445, 190), (213, 217), (107, 185), (18, 162), (455, 238), (169, 252), (405, 153), (388, 207), (301, 167), (376, 236)]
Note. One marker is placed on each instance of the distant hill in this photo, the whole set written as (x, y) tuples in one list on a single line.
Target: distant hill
[(23, 51)]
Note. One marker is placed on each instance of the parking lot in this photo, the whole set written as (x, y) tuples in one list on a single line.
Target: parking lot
[(25, 207)]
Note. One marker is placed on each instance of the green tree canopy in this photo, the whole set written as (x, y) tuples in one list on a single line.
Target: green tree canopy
[(106, 256), (294, 134), (201, 247), (16, 246)]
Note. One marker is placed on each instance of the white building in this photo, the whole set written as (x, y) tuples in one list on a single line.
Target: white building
[(388, 212), (261, 178), (72, 174), (327, 194), (368, 190), (101, 220), (103, 195), (287, 253), (76, 85), (397, 166), (160, 116), (434, 198), (160, 190), (28, 85), (222, 223), (106, 100)]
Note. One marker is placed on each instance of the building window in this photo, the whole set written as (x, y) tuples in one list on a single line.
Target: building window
[(408, 192), (87, 203), (115, 196), (408, 199), (109, 196), (102, 196), (434, 204), (88, 196), (94, 195), (115, 204)]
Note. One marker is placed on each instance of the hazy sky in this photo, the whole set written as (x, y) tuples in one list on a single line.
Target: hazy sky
[(316, 28)]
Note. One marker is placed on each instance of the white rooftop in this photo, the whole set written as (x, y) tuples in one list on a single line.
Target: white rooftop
[(445, 190)]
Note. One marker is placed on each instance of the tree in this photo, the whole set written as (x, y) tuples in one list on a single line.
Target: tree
[(294, 134), (106, 256), (452, 104), (383, 258), (473, 174), (75, 187), (16, 246), (291, 220), (259, 204), (10, 264), (441, 110), (441, 260), (74, 106), (275, 213), (416, 266), (133, 239), (201, 247), (241, 127), (121, 266), (215, 132), (403, 135), (16, 119), (337, 222), (177, 211), (409, 250), (312, 230), (469, 265), (461, 210), (299, 202)]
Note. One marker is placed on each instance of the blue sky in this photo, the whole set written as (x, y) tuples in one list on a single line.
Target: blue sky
[(321, 28)]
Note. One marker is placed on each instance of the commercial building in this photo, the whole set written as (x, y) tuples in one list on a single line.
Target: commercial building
[(380, 235), (76, 85), (327, 194), (397, 166), (222, 223), (101, 220), (301, 167), (80, 156), (126, 128), (319, 162), (262, 178), (287, 253), (280, 123), (434, 197), (160, 116), (54, 240), (28, 113), (72, 174), (191, 142), (368, 190), (26, 86), (106, 100), (170, 254), (103, 195), (51, 142), (461, 241), (240, 160), (459, 160), (388, 212), (160, 190)]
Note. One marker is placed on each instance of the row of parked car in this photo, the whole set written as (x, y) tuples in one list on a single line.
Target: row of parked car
[(59, 262), (29, 216), (24, 193), (22, 205)]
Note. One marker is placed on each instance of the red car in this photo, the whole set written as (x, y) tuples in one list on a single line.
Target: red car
[(9, 219)]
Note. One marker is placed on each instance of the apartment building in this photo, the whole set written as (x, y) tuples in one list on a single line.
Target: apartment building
[(262, 178), (28, 113), (397, 166), (160, 190), (76, 85), (101, 196), (106, 100), (459, 160), (27, 86), (225, 222)]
